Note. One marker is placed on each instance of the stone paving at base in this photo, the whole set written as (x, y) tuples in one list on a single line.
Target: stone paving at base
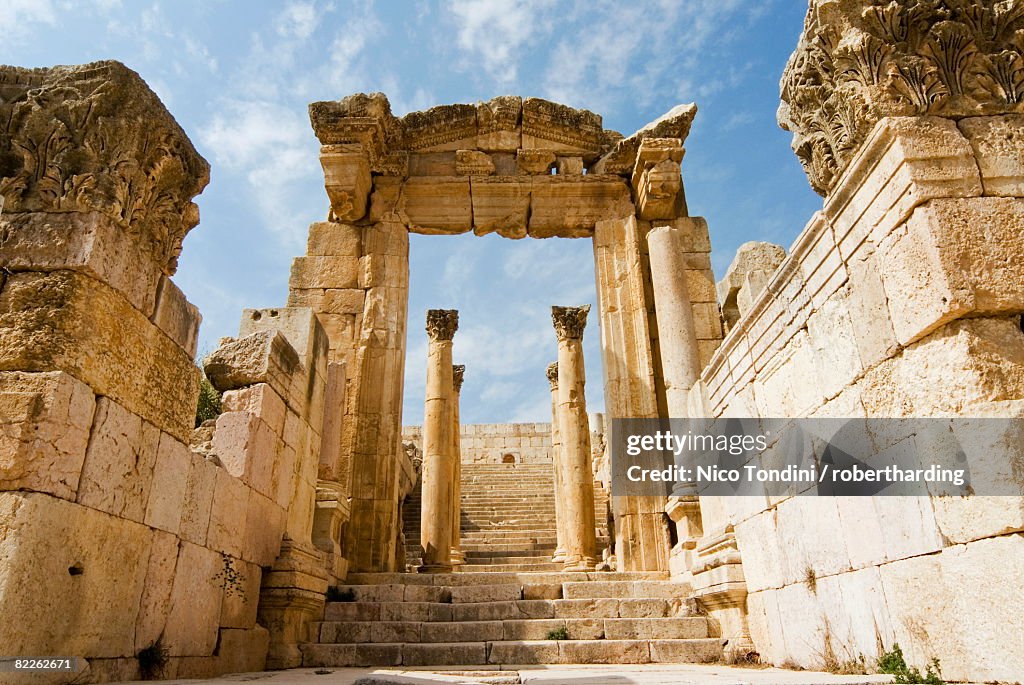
[(660, 674)]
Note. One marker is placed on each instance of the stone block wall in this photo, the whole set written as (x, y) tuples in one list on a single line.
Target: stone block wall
[(497, 443), (902, 297), (122, 531)]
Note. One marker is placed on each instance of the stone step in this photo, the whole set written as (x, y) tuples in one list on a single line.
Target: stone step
[(513, 652), (346, 632), (395, 608), (450, 579), (503, 568), (511, 557)]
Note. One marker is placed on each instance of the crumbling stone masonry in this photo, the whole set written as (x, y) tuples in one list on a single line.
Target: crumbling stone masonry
[(123, 531), (901, 297)]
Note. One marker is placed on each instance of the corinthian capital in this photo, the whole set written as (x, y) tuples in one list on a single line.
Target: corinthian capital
[(552, 374), (861, 60), (458, 370), (570, 321), (442, 323)]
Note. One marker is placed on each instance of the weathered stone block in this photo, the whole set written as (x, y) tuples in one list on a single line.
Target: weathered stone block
[(118, 471), (329, 301), (568, 207), (517, 652), (473, 163), (264, 526), (331, 239), (486, 593), (87, 242), (243, 651), (500, 205), (248, 449), (954, 257), (442, 654), (228, 514), (437, 205), (178, 318), (241, 595), (194, 616), (998, 144), (45, 420), (156, 594), (603, 652), (347, 180), (259, 400), (48, 321), (170, 480), (324, 272), (263, 357), (92, 566), (199, 488)]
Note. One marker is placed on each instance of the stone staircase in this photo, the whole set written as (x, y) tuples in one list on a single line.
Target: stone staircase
[(508, 518), (481, 618)]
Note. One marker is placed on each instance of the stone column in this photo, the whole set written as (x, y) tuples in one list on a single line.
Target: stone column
[(438, 459), (458, 558), (556, 466), (577, 481), (680, 356)]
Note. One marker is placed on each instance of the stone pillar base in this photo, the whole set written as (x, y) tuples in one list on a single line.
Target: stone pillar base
[(584, 564), (435, 568), (559, 556), (291, 599)]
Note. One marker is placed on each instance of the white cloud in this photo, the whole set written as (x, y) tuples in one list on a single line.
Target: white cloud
[(200, 53), (272, 145), (17, 17), (298, 20), (493, 31)]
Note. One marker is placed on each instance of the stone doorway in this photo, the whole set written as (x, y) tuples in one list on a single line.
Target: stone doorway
[(521, 168)]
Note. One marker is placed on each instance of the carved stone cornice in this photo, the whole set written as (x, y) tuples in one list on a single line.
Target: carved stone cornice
[(861, 60), (458, 372), (552, 374), (673, 125), (569, 321), (357, 120), (576, 128), (442, 323), (95, 138), (437, 126), (502, 113)]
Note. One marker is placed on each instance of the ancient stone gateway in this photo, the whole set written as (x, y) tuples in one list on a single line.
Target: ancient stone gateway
[(264, 537), (519, 168)]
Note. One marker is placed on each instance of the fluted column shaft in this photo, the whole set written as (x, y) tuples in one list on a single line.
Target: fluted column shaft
[(438, 459), (577, 479), (458, 558), (556, 466)]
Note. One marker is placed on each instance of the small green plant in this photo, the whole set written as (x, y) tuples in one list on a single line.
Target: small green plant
[(152, 661), (336, 594), (559, 634), (893, 663), (208, 406)]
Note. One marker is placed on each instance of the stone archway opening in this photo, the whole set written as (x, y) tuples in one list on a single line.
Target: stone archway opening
[(520, 168)]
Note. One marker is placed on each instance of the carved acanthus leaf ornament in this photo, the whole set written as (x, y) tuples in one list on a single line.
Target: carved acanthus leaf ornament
[(861, 60), (95, 138)]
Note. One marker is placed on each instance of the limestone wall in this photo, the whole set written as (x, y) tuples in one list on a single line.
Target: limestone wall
[(497, 443), (126, 538), (902, 297)]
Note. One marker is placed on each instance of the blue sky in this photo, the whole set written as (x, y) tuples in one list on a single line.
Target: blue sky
[(238, 77)]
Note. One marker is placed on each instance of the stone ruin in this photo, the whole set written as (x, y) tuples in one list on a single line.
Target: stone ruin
[(122, 533)]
